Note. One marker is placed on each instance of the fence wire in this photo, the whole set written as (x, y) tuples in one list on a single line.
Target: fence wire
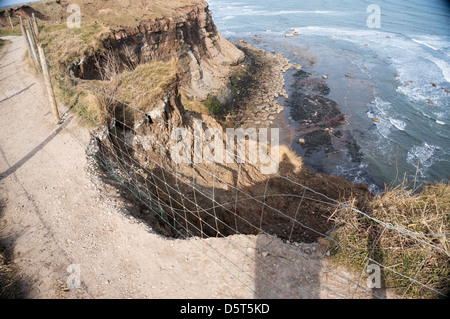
[(196, 201)]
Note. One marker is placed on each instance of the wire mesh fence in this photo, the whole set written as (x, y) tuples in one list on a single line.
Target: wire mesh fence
[(301, 245), (288, 239)]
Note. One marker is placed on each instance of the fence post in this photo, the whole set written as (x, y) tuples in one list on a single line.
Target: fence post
[(35, 25), (27, 40), (33, 49), (33, 33), (10, 21), (48, 84)]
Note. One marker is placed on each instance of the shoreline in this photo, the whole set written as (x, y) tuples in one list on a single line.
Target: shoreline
[(256, 88), (311, 124)]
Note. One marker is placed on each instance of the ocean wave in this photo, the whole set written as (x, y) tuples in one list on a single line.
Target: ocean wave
[(425, 44), (423, 154), (253, 11), (435, 119), (408, 55), (435, 42), (444, 66), (400, 125), (380, 110)]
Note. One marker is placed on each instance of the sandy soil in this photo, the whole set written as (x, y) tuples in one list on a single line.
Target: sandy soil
[(56, 212)]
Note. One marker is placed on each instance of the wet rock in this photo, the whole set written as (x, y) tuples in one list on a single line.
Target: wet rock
[(258, 86)]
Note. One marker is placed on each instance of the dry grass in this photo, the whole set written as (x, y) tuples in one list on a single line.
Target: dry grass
[(5, 31), (114, 13), (427, 212), (141, 88), (193, 105), (138, 85), (63, 46), (3, 43), (9, 274), (145, 84), (98, 20), (8, 278)]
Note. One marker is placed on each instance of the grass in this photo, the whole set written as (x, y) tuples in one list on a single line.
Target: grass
[(3, 43), (213, 105), (63, 46), (427, 212), (8, 278), (98, 20), (82, 103), (141, 88), (115, 13), (9, 285), (10, 32), (193, 105)]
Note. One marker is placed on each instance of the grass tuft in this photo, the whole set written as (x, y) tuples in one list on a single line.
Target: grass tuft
[(427, 212)]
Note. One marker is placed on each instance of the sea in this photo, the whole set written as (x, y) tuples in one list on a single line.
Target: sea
[(387, 65)]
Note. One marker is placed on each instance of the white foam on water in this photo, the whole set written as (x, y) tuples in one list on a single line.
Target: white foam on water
[(409, 56), (440, 122), (424, 154), (400, 125), (444, 66), (425, 44), (339, 32), (236, 9), (378, 109), (427, 116), (435, 42)]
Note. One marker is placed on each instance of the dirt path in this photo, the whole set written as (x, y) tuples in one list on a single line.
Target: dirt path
[(57, 213)]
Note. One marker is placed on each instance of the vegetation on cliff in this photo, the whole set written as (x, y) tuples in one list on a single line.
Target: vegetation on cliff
[(143, 83), (424, 258)]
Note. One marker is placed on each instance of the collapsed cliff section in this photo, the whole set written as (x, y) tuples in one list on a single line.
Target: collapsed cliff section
[(206, 199), (205, 57), (149, 66)]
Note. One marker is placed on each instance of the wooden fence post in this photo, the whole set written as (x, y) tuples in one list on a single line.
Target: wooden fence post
[(33, 49), (10, 21), (33, 33), (48, 84), (35, 25), (30, 50)]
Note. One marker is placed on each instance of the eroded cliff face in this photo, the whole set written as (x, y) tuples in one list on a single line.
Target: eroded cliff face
[(24, 12), (188, 196), (206, 59)]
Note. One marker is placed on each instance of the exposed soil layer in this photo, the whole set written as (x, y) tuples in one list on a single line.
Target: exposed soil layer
[(24, 12), (222, 199)]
